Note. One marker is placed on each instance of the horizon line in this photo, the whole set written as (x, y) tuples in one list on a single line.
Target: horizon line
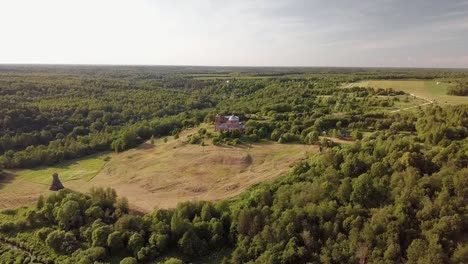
[(224, 66)]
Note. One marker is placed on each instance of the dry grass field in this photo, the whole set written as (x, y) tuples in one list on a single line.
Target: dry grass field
[(166, 173)]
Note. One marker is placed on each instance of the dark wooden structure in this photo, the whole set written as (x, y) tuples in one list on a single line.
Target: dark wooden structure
[(56, 184)]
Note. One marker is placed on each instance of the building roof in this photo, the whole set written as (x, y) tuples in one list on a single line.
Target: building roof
[(232, 117)]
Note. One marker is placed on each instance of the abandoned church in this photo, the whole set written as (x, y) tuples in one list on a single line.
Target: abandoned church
[(228, 123)]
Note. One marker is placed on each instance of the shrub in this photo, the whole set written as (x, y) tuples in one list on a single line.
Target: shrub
[(160, 241), (215, 140), (99, 236), (115, 241), (144, 254), (91, 255), (129, 223), (7, 227), (62, 242), (129, 260), (42, 233), (173, 261), (136, 242), (94, 212), (195, 139), (202, 131)]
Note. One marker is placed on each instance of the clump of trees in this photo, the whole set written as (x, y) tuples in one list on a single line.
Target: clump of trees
[(460, 88), (96, 225)]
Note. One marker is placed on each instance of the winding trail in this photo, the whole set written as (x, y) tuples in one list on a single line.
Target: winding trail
[(428, 102), (16, 247)]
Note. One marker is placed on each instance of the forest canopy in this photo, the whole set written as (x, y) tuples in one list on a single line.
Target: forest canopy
[(397, 189)]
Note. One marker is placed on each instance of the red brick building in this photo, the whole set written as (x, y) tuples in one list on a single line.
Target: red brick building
[(228, 123)]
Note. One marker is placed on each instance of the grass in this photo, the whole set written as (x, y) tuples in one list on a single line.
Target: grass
[(9, 215), (83, 168), (437, 89), (427, 89), (164, 173)]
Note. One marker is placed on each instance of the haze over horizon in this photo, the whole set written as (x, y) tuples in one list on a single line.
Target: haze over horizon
[(381, 33)]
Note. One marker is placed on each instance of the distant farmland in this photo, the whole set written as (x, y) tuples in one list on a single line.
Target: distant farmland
[(427, 89)]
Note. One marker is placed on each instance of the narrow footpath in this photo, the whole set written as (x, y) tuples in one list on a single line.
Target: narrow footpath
[(428, 102), (16, 247)]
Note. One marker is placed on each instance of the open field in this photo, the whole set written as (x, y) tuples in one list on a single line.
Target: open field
[(22, 187), (15, 192), (85, 169), (163, 174), (427, 89)]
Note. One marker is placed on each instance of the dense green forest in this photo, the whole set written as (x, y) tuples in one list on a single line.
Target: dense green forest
[(51, 114), (396, 194)]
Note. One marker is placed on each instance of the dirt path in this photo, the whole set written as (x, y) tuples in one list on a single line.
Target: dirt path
[(16, 247), (428, 102)]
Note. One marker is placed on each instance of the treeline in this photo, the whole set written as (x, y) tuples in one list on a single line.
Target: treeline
[(42, 110), (117, 140), (45, 119), (75, 228), (460, 89), (50, 114)]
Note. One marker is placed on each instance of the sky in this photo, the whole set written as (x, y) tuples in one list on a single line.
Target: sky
[(365, 33)]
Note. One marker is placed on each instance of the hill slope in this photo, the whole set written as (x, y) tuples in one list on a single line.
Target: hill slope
[(166, 173)]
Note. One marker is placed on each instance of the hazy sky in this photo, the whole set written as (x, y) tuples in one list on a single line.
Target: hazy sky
[(419, 33)]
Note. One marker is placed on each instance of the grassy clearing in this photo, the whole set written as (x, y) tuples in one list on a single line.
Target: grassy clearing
[(164, 173), (427, 89), (173, 172), (406, 101), (84, 168)]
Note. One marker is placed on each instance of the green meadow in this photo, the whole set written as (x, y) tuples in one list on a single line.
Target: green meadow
[(427, 89), (83, 168)]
